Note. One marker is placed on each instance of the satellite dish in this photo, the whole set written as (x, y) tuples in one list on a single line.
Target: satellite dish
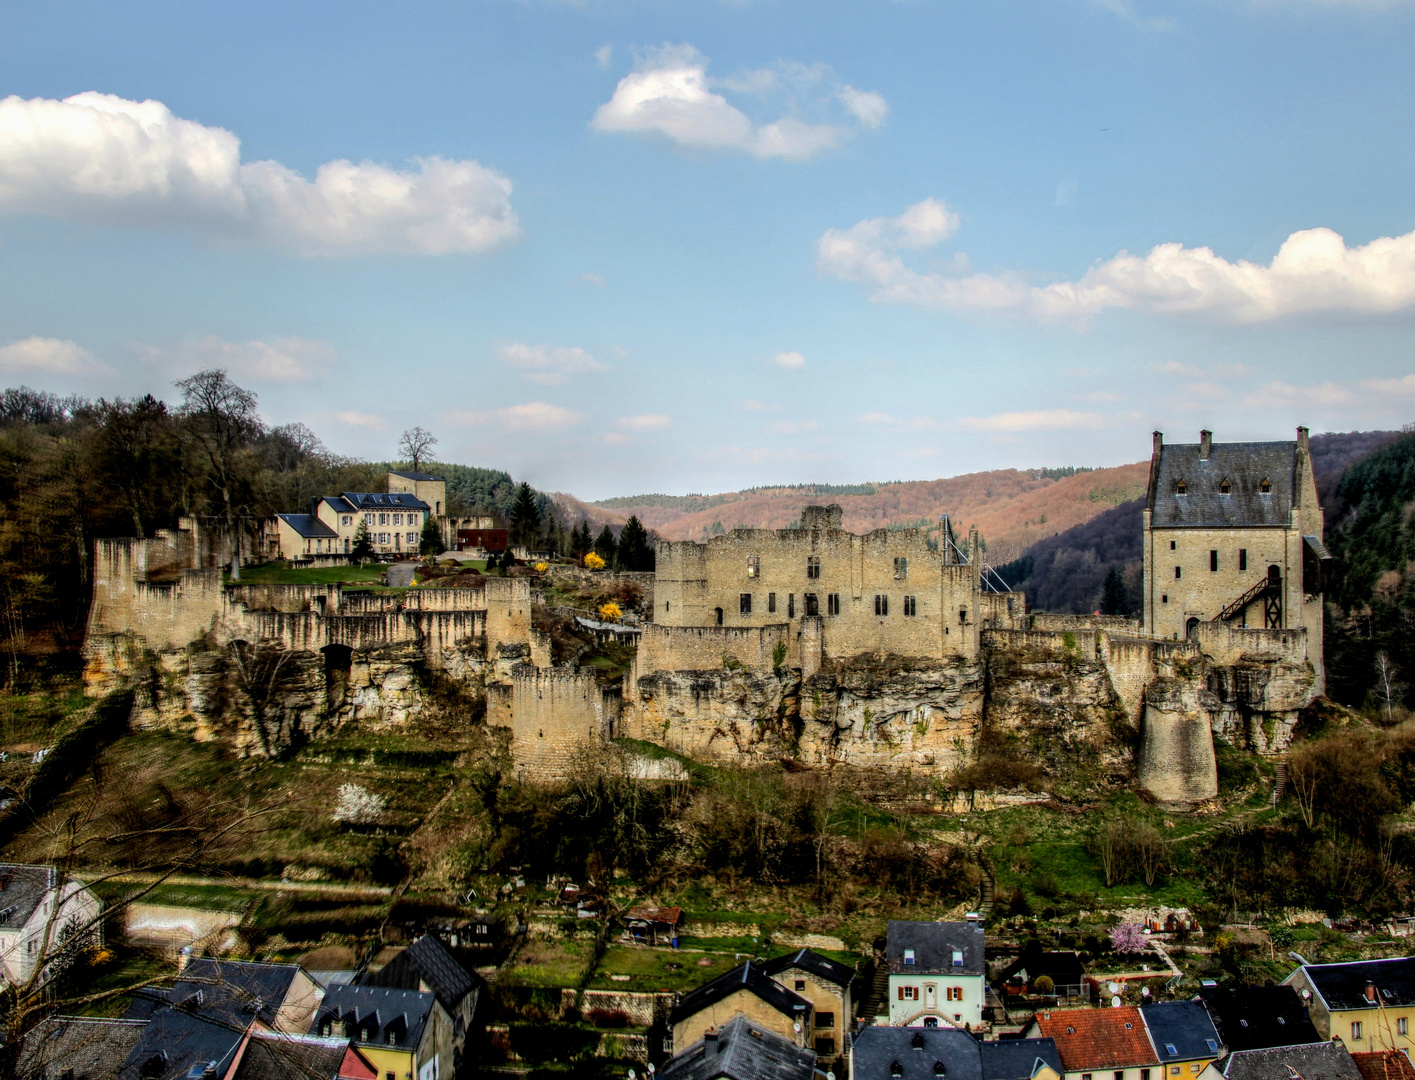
[(1114, 988), (1306, 994), (1144, 991), (1115, 1003)]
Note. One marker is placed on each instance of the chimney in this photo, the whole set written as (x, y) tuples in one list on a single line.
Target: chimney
[(314, 506), (1159, 442), (1371, 991), (1302, 438), (1206, 444), (710, 1037)]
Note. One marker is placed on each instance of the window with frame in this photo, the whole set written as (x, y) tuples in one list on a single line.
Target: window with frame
[(911, 606), (771, 602), (744, 603), (908, 993), (832, 604), (1402, 1026), (1224, 487), (881, 604), (1355, 1029), (397, 519), (1181, 488), (1174, 1070), (812, 604), (953, 993), (813, 566), (754, 565), (1178, 571), (412, 538), (825, 1045), (901, 569), (1119, 1074), (383, 519), (825, 1019), (1265, 486), (1213, 559), (347, 519), (369, 519)]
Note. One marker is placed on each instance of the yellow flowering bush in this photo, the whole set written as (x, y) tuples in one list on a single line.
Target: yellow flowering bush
[(594, 562), (542, 567), (610, 612)]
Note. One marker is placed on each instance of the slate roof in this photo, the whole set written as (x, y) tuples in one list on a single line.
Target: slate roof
[(744, 977), (274, 1055), (415, 475), (22, 888), (1180, 1030), (815, 963), (1343, 986), (374, 500), (918, 1053), (1093, 1039), (428, 960), (1255, 1017), (373, 1009), (1018, 1059), (934, 944), (1243, 465), (309, 527), (1310, 1061), (1384, 1065), (88, 1049), (175, 1040), (233, 991), (742, 1050)]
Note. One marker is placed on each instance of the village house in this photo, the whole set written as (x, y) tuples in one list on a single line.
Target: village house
[(394, 523), (1366, 1004), (42, 921), (742, 1050), (1100, 1044), (891, 1053), (827, 985), (429, 966), (1233, 533), (745, 991), (1183, 1035), (405, 1033), (1257, 1017), (936, 974), (1307, 1061)]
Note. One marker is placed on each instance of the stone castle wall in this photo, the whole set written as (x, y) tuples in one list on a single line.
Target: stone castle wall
[(556, 713)]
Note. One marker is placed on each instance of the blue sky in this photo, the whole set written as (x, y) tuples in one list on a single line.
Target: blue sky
[(622, 247)]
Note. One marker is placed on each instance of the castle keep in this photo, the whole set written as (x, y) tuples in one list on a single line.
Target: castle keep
[(880, 653)]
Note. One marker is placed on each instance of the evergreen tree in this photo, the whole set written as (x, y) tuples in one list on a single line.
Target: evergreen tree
[(525, 517), (430, 543), (363, 544), (605, 546), (635, 550), (581, 542), (1115, 598)]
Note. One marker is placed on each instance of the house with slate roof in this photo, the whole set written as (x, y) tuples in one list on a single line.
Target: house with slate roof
[(1256, 1017), (1367, 1005), (1308, 1061), (274, 1055), (948, 1053), (1100, 1044), (1233, 534), (742, 1050), (40, 918), (936, 974), (394, 520), (828, 985), (402, 1032), (80, 1047), (1183, 1036), (429, 966), (744, 991), (236, 992)]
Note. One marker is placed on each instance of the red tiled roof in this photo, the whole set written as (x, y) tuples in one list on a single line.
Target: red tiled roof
[(1384, 1065), (671, 915), (1090, 1039)]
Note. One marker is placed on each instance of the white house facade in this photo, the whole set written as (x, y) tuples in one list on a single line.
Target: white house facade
[(936, 974)]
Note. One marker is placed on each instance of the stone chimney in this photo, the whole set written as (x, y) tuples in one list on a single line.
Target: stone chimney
[(1302, 438), (710, 1038), (1159, 442), (1206, 444)]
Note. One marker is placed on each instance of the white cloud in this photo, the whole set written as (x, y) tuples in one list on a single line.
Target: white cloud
[(1100, 397), (911, 423), (50, 356), (278, 360), (1278, 395), (615, 438), (793, 361), (603, 54), (645, 422), (361, 419), (669, 93), (1037, 420), (100, 158), (596, 280), (549, 364), (532, 416), (753, 405), (1313, 271)]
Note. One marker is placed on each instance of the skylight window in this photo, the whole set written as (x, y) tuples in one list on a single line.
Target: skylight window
[(957, 957), (1213, 1046), (1170, 1050), (908, 956)]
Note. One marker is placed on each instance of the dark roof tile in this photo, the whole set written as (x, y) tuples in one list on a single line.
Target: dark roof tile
[(1255, 1017), (900, 1053), (1181, 1030), (1309, 1061), (1343, 986), (815, 963), (933, 945), (745, 977), (742, 1050), (374, 1008), (309, 527), (1245, 466)]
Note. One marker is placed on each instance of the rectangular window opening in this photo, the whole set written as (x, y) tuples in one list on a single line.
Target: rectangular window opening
[(832, 604), (754, 565), (881, 604), (1177, 571), (1172, 545), (790, 605), (901, 569), (771, 602), (744, 603), (812, 604), (813, 566), (1213, 559), (911, 605), (1242, 558)]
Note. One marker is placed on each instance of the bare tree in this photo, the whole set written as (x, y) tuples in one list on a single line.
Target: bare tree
[(1388, 690), (1112, 846), (1149, 850), (1302, 773), (415, 445), (222, 421), (261, 674)]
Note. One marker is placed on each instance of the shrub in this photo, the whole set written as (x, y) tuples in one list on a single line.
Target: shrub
[(593, 562)]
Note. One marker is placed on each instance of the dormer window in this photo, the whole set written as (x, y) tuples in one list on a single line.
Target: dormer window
[(938, 1068), (1265, 486), (957, 957), (917, 1042), (908, 956), (1181, 488), (1224, 487), (896, 1069)]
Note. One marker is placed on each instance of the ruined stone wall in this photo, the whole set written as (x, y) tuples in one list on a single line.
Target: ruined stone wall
[(555, 713), (707, 648), (180, 605), (1061, 623), (869, 576), (1003, 610), (1176, 762)]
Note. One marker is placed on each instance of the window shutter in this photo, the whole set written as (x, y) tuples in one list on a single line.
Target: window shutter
[(901, 993)]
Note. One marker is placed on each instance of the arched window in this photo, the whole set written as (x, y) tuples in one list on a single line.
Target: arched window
[(1181, 488), (896, 1069), (1224, 487), (1265, 486)]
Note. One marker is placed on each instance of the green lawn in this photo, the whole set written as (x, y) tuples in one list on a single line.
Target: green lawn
[(280, 574)]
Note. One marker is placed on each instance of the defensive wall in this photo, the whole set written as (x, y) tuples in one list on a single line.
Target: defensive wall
[(556, 714)]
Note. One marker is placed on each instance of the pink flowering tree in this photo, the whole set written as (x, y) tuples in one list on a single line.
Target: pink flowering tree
[(1128, 938)]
